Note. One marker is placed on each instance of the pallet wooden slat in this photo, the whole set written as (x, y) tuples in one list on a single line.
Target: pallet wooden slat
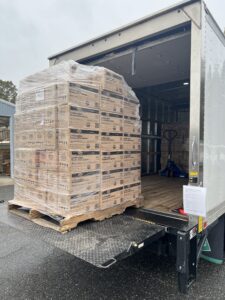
[(65, 224)]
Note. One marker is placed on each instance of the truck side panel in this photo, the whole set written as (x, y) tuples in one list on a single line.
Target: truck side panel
[(213, 117)]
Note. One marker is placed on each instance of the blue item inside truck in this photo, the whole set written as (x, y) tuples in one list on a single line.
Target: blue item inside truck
[(171, 168)]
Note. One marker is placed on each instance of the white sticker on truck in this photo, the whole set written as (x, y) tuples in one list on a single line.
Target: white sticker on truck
[(194, 200)]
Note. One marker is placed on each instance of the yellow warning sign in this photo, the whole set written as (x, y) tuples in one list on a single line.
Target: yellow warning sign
[(193, 173), (200, 224)]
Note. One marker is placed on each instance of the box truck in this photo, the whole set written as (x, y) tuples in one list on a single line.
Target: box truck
[(175, 62)]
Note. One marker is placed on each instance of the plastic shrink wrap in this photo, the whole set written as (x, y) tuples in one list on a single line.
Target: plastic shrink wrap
[(77, 141)]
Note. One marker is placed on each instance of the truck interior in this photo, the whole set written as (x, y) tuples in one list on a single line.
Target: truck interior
[(158, 70)]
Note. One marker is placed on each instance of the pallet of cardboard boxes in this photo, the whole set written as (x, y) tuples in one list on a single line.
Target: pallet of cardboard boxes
[(77, 145)]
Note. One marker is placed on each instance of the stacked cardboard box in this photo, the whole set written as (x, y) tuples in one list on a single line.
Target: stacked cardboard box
[(180, 145), (77, 140)]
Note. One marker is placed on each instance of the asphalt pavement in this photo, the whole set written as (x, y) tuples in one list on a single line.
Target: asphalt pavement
[(33, 269)]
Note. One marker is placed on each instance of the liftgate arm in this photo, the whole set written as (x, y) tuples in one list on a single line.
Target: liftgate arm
[(186, 264), (189, 249)]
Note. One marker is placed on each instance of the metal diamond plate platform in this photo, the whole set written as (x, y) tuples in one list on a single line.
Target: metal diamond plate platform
[(99, 243)]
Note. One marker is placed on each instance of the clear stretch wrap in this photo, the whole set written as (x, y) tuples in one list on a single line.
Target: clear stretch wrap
[(77, 140)]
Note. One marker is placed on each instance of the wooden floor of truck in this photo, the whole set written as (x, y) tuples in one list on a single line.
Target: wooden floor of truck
[(163, 194)]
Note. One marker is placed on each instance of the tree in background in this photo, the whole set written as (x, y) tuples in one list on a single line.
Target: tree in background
[(8, 91)]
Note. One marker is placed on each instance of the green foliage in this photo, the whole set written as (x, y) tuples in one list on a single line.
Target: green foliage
[(8, 91)]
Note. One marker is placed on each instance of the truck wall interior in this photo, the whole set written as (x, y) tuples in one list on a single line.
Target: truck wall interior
[(159, 73)]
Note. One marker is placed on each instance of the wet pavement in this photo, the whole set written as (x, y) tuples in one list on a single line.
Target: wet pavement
[(6, 188), (33, 269)]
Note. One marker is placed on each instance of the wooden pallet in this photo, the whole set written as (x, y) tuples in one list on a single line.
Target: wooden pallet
[(64, 224)]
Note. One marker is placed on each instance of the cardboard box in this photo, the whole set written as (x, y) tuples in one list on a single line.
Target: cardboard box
[(85, 96), (111, 102), (112, 82), (132, 175), (79, 161), (79, 183), (78, 118), (27, 194), (85, 203), (50, 140), (111, 122), (48, 118), (79, 140), (40, 118), (131, 108), (111, 198), (42, 179), (132, 142), (36, 139), (108, 80), (48, 160), (26, 176), (111, 142), (75, 204), (112, 160), (132, 192), (111, 179), (132, 159), (26, 158), (132, 125), (41, 97)]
